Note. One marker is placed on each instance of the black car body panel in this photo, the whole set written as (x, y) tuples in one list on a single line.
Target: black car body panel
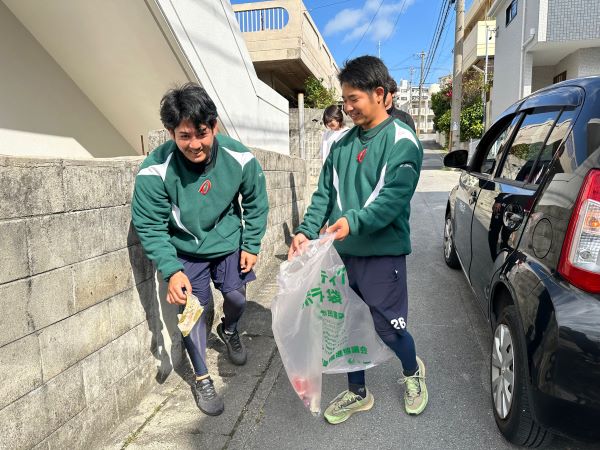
[(509, 233)]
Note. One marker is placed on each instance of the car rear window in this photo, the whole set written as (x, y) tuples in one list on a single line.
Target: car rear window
[(557, 135)]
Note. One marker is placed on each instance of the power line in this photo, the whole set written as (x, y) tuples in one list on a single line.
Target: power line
[(403, 61), (366, 29), (443, 17), (329, 4), (437, 56), (435, 41)]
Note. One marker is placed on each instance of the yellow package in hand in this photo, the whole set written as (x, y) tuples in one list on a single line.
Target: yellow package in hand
[(191, 314)]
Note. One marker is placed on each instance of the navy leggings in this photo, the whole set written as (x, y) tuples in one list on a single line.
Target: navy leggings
[(226, 276), (381, 282), (233, 307)]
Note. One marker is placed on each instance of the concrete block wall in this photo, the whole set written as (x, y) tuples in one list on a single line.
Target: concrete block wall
[(84, 335), (75, 301)]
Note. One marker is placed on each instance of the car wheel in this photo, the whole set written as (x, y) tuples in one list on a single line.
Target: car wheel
[(450, 255), (509, 387)]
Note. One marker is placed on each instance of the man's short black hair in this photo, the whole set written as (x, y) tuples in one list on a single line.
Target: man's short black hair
[(366, 73), (188, 102)]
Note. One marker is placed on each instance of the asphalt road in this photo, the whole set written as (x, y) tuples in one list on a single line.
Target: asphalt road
[(452, 337)]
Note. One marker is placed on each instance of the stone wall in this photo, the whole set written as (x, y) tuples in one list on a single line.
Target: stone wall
[(83, 334)]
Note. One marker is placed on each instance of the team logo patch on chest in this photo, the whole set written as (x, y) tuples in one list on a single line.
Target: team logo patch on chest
[(205, 187), (361, 155)]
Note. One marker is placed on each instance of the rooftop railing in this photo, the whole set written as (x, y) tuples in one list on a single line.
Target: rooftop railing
[(262, 19)]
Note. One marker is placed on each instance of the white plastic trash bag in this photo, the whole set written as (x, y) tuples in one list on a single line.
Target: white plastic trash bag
[(320, 324)]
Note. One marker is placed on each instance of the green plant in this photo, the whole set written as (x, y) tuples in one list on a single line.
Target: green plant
[(443, 122), (316, 95), (441, 103), (471, 117), (471, 125)]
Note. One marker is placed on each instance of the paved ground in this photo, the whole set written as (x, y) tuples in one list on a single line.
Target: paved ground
[(262, 411)]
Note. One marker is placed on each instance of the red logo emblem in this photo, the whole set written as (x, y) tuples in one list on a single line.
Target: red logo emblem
[(361, 155), (205, 187)]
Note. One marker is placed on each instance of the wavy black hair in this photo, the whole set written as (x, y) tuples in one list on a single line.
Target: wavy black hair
[(188, 102)]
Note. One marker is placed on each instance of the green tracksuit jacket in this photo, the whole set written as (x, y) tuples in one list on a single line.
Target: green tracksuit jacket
[(193, 209), (369, 178)]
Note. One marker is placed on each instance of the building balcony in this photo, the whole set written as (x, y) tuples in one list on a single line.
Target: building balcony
[(474, 45), (285, 45)]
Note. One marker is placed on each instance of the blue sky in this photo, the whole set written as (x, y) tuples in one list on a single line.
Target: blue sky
[(405, 28)]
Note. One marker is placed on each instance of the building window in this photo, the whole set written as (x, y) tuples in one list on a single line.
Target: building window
[(511, 11), (560, 77)]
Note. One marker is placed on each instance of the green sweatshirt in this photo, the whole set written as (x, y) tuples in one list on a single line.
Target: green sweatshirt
[(369, 178), (179, 207)]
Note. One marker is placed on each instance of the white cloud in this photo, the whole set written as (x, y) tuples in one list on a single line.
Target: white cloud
[(344, 20), (354, 22)]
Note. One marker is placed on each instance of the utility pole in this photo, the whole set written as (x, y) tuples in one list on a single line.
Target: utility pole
[(412, 72), (422, 56), (488, 29), (457, 75)]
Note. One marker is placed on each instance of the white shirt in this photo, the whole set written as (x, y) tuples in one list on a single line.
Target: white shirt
[(329, 137)]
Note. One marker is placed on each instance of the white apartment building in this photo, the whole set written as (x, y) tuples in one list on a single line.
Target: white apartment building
[(407, 99), (540, 42)]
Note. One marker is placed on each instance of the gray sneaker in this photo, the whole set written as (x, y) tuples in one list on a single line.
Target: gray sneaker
[(235, 348), (207, 399)]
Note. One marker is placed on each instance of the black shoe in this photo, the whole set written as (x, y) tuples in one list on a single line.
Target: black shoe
[(235, 348), (207, 399)]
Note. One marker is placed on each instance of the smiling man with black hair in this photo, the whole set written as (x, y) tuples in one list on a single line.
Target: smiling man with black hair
[(364, 191), (186, 213)]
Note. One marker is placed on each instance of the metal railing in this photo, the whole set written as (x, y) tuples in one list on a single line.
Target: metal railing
[(262, 19)]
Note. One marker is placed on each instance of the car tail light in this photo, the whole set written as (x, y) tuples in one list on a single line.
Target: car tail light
[(580, 258)]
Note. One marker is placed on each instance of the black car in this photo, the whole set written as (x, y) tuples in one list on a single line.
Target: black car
[(523, 223)]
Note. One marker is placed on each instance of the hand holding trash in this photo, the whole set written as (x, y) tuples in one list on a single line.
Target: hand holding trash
[(190, 315)]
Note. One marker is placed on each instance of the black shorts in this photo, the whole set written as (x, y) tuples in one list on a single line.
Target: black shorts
[(381, 282)]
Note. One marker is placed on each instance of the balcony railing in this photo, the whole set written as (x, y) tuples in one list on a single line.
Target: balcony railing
[(262, 19)]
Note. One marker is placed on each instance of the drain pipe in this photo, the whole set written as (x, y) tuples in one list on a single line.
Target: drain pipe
[(524, 47)]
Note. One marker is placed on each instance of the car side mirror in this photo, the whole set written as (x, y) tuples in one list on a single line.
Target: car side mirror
[(457, 159)]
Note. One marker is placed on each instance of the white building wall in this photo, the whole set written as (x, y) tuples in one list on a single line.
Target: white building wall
[(87, 77), (570, 64), (43, 112), (249, 110), (507, 58), (543, 76), (570, 20), (589, 62)]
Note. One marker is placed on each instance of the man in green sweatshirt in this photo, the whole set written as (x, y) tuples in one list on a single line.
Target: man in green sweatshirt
[(364, 191), (191, 195)]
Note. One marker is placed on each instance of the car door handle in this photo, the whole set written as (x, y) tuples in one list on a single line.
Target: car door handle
[(512, 218)]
